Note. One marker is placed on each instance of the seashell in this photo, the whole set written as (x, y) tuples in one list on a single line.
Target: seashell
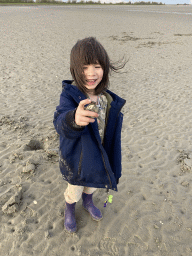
[(92, 107)]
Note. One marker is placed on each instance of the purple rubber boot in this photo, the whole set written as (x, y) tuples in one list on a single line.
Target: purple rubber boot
[(70, 223), (90, 207)]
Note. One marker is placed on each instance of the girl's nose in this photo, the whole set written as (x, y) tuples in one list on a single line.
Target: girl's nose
[(91, 71)]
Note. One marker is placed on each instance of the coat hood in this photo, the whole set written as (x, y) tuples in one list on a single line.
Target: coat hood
[(73, 90)]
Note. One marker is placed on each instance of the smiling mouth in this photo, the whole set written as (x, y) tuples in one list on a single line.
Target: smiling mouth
[(91, 81)]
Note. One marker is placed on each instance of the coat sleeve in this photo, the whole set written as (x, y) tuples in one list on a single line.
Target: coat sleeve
[(64, 118)]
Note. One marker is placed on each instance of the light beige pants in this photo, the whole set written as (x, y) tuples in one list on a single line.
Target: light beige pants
[(73, 193)]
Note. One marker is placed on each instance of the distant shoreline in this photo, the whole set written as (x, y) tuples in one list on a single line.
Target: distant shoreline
[(80, 3), (92, 4)]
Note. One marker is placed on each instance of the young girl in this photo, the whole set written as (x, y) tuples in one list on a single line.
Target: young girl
[(90, 141)]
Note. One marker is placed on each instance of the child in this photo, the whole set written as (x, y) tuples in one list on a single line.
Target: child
[(90, 142)]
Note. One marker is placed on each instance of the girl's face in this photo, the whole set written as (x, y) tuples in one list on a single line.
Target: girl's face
[(93, 76)]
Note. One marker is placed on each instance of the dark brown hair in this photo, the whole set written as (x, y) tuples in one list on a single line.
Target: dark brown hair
[(89, 51)]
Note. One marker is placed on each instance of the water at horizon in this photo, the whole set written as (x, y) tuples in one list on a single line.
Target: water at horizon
[(159, 9)]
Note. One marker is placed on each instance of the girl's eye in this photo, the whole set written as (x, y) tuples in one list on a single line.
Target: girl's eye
[(97, 66)]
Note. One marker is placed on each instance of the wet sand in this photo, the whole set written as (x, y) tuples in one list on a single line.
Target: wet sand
[(151, 213)]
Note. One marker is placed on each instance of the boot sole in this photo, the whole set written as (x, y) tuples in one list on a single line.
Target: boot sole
[(69, 231), (92, 216)]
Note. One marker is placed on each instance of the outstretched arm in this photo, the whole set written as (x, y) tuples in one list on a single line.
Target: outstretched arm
[(69, 119)]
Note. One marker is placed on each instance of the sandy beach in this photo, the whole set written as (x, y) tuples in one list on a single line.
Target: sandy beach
[(151, 215)]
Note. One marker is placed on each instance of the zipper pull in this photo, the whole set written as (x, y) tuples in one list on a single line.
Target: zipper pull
[(108, 199)]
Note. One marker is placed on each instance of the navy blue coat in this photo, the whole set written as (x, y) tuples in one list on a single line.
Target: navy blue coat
[(84, 160)]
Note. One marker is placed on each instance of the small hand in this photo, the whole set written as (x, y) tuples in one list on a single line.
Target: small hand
[(82, 116)]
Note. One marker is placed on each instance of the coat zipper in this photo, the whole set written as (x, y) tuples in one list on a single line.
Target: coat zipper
[(80, 162), (106, 169)]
